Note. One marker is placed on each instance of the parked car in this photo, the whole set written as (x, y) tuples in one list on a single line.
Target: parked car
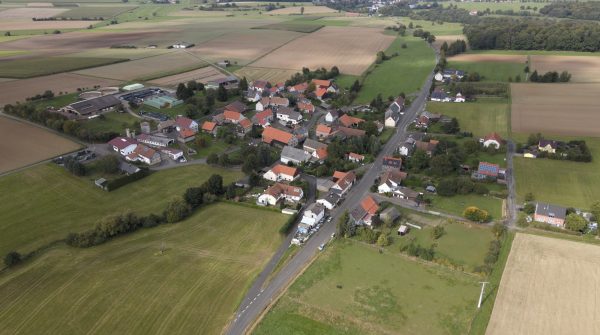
[(321, 247)]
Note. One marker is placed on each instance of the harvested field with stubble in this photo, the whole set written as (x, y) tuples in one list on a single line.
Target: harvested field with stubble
[(562, 109), (272, 75), (25, 24), (146, 67), (307, 10), (548, 287), (34, 145), (18, 90), (584, 69), (244, 46), (439, 40), (30, 13), (351, 49), (202, 75)]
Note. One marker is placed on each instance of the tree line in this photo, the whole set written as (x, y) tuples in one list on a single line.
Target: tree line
[(589, 10)]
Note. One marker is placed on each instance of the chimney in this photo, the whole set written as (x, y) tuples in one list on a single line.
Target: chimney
[(127, 133)]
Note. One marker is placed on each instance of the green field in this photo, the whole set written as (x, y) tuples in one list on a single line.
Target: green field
[(561, 182), (35, 67), (404, 73), (463, 244), (100, 12), (446, 28), (481, 6), (456, 204), (10, 53), (300, 27), (480, 118), (112, 121), (491, 71), (45, 202), (353, 289), (126, 286)]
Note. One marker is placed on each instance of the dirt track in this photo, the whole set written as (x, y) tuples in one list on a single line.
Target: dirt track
[(22, 144), (549, 286)]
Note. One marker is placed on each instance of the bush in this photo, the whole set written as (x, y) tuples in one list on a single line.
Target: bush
[(437, 232), (12, 258), (477, 215), (384, 240), (367, 235), (109, 164), (177, 210), (288, 225), (122, 181)]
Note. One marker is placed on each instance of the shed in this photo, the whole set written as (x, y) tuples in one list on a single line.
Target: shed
[(132, 87), (403, 230)]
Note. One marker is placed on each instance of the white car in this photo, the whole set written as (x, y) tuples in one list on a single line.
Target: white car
[(321, 247)]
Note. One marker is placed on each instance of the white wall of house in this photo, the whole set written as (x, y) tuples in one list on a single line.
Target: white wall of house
[(493, 143), (267, 199), (312, 218), (127, 150), (326, 204), (390, 122)]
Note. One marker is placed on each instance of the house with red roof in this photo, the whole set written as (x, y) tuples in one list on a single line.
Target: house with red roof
[(281, 172), (244, 126), (187, 123), (123, 145), (232, 117), (306, 107), (494, 140), (272, 135), (366, 212), (350, 121), (263, 118), (186, 135), (210, 128), (281, 192), (323, 131), (343, 181), (320, 154), (145, 155), (299, 88), (356, 158)]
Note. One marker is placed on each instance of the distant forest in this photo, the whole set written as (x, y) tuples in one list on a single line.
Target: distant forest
[(573, 10)]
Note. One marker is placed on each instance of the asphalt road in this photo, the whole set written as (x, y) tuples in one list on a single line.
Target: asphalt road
[(257, 300), (511, 200)]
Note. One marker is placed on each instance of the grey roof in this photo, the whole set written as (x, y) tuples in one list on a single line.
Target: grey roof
[(439, 95), (332, 198), (549, 210), (128, 168), (292, 114), (390, 213), (294, 154), (314, 144), (315, 208), (95, 105)]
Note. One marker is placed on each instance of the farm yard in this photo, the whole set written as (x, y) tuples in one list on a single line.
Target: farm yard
[(480, 118), (126, 286), (351, 49), (47, 202), (545, 288), (584, 69), (37, 145), (18, 90), (575, 182), (541, 108), (353, 289), (202, 75)]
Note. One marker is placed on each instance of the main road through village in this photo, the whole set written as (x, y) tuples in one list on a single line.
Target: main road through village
[(260, 297)]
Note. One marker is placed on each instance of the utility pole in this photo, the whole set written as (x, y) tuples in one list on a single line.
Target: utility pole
[(481, 294)]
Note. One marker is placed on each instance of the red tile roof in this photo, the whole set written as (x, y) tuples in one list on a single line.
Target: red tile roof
[(185, 133), (284, 169), (322, 83), (344, 179), (369, 205), (236, 106), (184, 122), (493, 136), (232, 116), (246, 124), (349, 121), (122, 142), (321, 128), (279, 188), (209, 126), (307, 107), (270, 134), (356, 156), (320, 92), (321, 153), (144, 151)]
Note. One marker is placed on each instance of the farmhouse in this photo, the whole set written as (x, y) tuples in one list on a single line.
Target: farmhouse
[(155, 140), (389, 181), (391, 163), (244, 126), (356, 158), (299, 88), (286, 114), (350, 121), (93, 106), (494, 140), (232, 117), (145, 155), (271, 102), (183, 122), (280, 192), (313, 214), (281, 172), (551, 214), (548, 146), (272, 135), (210, 128), (311, 146), (167, 126), (186, 135), (392, 114), (440, 96), (259, 85), (306, 107), (293, 155), (330, 200), (263, 118), (123, 145), (253, 95), (343, 181), (366, 212)]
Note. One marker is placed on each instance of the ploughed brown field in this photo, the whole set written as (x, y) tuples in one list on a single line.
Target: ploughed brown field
[(244, 46), (22, 144), (439, 40), (28, 24), (351, 49), (548, 287), (202, 75), (18, 90), (488, 58), (583, 69), (564, 109)]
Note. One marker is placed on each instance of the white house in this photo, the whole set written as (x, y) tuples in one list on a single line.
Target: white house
[(331, 116), (294, 155), (280, 192), (459, 98), (389, 181), (330, 200), (391, 118), (313, 214), (253, 95), (281, 172), (492, 140), (286, 114), (174, 154), (123, 145), (343, 181), (407, 147)]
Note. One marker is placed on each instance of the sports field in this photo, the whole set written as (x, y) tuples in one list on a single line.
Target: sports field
[(127, 287), (36, 67), (410, 69), (541, 108), (560, 182), (548, 288), (353, 289), (351, 49), (46, 202), (37, 145), (480, 118)]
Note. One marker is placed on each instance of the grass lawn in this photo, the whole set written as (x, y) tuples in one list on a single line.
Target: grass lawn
[(112, 121), (126, 287), (404, 73), (35, 67), (214, 147), (560, 182), (9, 53), (59, 101), (353, 289), (172, 112), (456, 204), (462, 244), (480, 118), (446, 28), (491, 71), (46, 202), (346, 80)]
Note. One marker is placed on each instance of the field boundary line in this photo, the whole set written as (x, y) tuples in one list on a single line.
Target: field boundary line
[(277, 48)]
